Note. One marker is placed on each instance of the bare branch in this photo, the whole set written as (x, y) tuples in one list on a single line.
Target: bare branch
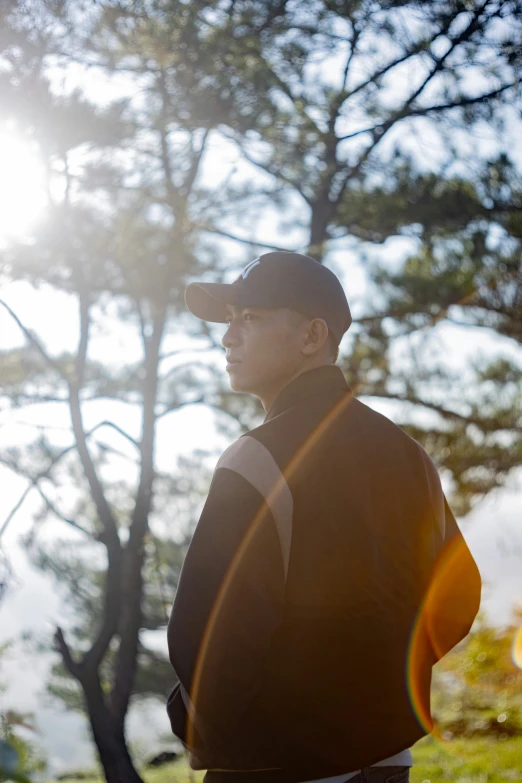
[(15, 509), (194, 167), (464, 101), (33, 340), (180, 351), (34, 484), (110, 536), (481, 423), (178, 367), (165, 153), (117, 429), (380, 130), (62, 647), (177, 406), (249, 242), (104, 511), (269, 167), (130, 611)]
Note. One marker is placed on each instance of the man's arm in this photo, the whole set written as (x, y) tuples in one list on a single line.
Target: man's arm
[(453, 597), (229, 599)]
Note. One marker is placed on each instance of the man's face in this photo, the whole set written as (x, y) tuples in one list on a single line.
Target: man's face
[(263, 347)]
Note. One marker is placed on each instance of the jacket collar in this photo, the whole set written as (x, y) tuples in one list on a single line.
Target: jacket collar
[(322, 379)]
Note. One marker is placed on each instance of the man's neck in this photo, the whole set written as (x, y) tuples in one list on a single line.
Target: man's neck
[(268, 396)]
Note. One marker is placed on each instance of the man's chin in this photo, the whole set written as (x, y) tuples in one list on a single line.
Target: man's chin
[(237, 379)]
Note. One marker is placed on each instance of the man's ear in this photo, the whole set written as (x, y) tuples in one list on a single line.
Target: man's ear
[(317, 335)]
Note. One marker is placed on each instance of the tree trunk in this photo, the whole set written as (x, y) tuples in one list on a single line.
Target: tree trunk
[(109, 736), (320, 218)]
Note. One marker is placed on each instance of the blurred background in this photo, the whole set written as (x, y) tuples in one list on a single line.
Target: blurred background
[(146, 144)]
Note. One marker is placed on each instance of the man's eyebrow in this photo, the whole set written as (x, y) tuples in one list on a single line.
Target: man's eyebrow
[(231, 309)]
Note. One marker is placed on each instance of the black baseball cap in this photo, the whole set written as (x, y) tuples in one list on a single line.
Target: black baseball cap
[(278, 279)]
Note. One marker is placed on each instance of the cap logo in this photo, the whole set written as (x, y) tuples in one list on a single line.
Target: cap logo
[(246, 271)]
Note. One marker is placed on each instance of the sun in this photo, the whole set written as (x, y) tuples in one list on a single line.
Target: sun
[(22, 187)]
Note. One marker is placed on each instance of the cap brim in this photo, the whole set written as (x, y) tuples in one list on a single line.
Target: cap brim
[(208, 301)]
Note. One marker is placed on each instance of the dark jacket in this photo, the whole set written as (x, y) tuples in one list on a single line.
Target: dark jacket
[(325, 577)]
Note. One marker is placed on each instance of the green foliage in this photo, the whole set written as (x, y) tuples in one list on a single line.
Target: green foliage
[(324, 113), (478, 686), (19, 756), (486, 759), (477, 760)]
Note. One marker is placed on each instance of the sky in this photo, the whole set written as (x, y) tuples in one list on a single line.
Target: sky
[(33, 603)]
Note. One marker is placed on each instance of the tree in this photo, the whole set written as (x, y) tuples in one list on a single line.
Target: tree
[(478, 685), (118, 238), (308, 96), (370, 117)]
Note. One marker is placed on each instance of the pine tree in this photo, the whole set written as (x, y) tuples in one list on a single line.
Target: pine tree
[(323, 102)]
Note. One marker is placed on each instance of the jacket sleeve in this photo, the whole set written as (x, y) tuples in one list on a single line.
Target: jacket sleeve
[(228, 604), (453, 597)]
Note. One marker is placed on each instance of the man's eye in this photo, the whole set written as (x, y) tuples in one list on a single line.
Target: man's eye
[(248, 316)]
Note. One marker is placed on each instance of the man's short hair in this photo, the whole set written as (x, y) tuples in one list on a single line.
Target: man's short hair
[(333, 348)]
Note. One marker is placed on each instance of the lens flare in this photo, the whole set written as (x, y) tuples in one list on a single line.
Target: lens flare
[(309, 443), (437, 627), (517, 648), (22, 191)]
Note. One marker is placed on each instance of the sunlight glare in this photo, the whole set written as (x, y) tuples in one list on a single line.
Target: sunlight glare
[(517, 648), (22, 190)]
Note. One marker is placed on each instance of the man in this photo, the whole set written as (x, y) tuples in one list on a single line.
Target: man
[(326, 574)]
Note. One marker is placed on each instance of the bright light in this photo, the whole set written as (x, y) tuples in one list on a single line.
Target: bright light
[(517, 648), (22, 190)]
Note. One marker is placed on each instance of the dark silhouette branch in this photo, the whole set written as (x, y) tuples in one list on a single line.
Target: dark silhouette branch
[(34, 341), (270, 169), (249, 242), (34, 484), (180, 351), (381, 130), (110, 536), (177, 406), (131, 616), (61, 646), (194, 167), (15, 507), (482, 424)]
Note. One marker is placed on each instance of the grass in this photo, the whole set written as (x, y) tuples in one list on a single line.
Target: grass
[(458, 761)]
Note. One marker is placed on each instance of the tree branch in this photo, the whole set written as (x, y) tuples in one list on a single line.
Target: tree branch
[(380, 130), (34, 341), (249, 242), (165, 153), (178, 367), (117, 429), (110, 535), (482, 424), (269, 168), (130, 615), (61, 646), (103, 509), (194, 167), (464, 101), (35, 485), (180, 351), (15, 507), (177, 406)]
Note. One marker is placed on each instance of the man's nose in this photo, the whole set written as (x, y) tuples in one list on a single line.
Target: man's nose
[(231, 336)]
